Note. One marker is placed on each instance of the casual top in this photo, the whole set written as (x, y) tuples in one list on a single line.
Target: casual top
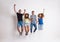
[(33, 17), (19, 16), (27, 20), (40, 20)]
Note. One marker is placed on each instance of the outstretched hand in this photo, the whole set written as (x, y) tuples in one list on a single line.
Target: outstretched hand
[(24, 10), (43, 10), (14, 8), (14, 4)]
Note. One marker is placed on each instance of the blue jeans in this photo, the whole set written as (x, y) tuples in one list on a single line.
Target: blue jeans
[(20, 23), (31, 25)]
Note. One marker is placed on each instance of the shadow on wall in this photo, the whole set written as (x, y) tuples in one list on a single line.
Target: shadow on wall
[(14, 18), (8, 25)]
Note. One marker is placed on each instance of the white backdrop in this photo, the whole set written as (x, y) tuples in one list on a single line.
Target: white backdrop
[(51, 32)]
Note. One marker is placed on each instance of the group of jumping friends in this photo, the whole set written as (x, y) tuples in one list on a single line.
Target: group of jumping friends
[(28, 22)]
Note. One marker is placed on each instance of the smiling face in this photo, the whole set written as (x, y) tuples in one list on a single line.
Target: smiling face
[(32, 12), (41, 15), (26, 15)]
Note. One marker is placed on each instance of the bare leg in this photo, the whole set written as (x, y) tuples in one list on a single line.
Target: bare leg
[(27, 30), (21, 30), (18, 29)]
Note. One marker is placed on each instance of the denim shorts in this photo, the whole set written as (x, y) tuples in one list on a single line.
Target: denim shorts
[(20, 23), (26, 24)]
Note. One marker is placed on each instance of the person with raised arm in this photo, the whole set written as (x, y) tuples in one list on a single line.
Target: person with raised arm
[(40, 20), (20, 19)]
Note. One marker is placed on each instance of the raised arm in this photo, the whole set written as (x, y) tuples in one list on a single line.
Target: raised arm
[(24, 11), (43, 11), (15, 8)]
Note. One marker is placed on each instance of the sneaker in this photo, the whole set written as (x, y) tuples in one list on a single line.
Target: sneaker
[(20, 33), (26, 33)]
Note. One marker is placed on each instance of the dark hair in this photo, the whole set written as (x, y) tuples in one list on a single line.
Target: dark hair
[(32, 11), (42, 15), (26, 14)]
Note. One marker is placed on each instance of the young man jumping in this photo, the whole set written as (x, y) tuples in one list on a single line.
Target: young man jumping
[(20, 19)]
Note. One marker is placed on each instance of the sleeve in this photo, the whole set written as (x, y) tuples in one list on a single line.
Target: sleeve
[(35, 16)]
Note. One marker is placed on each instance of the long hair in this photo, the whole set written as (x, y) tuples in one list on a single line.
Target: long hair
[(27, 15), (42, 15)]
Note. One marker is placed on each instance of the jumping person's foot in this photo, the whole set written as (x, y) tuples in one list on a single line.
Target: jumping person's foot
[(26, 33), (20, 33), (31, 31), (35, 30)]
